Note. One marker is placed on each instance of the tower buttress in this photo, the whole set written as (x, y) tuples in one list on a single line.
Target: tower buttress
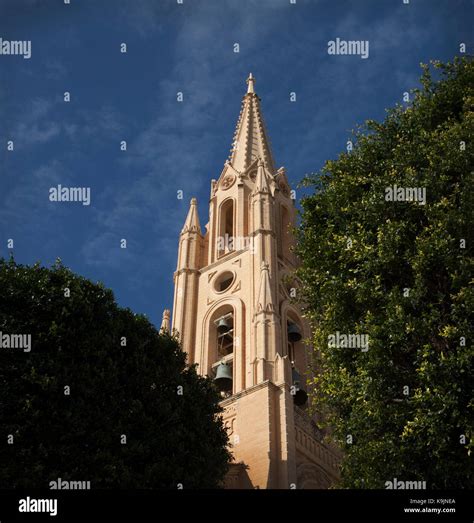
[(264, 272), (267, 330), (186, 280)]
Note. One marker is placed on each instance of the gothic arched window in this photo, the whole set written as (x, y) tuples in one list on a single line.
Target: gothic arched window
[(225, 241)]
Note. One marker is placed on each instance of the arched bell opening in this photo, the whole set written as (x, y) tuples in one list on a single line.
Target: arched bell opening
[(221, 349), (297, 356)]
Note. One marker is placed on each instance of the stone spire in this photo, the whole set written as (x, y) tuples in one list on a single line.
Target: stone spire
[(165, 323), (250, 138), (192, 220)]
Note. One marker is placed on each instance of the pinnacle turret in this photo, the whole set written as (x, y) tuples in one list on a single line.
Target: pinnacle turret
[(165, 322), (192, 220), (261, 180), (265, 299)]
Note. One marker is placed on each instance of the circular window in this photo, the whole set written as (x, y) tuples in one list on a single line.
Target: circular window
[(224, 281)]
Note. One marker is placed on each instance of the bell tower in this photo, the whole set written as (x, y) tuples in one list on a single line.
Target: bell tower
[(232, 310)]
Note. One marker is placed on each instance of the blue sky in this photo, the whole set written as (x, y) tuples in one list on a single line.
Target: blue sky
[(181, 146)]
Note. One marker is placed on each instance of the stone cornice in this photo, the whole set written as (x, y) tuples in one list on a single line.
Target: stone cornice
[(187, 271), (228, 401), (263, 231), (227, 257)]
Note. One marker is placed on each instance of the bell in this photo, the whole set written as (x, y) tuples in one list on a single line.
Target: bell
[(300, 397), (294, 333), (223, 379), (222, 325)]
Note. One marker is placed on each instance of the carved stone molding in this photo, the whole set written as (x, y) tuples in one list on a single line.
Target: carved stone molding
[(310, 476), (228, 181), (229, 416), (229, 425), (309, 441)]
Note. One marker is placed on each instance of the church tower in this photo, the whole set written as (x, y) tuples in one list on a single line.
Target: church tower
[(233, 312)]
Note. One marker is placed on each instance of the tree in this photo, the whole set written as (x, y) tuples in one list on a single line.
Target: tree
[(399, 272), (98, 397)]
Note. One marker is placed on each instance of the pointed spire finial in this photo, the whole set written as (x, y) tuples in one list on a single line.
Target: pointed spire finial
[(261, 180), (250, 82), (265, 298), (192, 220), (165, 323)]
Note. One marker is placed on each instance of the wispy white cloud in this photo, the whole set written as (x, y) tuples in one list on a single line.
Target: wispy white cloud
[(39, 122), (33, 126), (25, 206)]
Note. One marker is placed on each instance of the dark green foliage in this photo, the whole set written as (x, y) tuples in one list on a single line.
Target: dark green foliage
[(415, 340), (114, 390)]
